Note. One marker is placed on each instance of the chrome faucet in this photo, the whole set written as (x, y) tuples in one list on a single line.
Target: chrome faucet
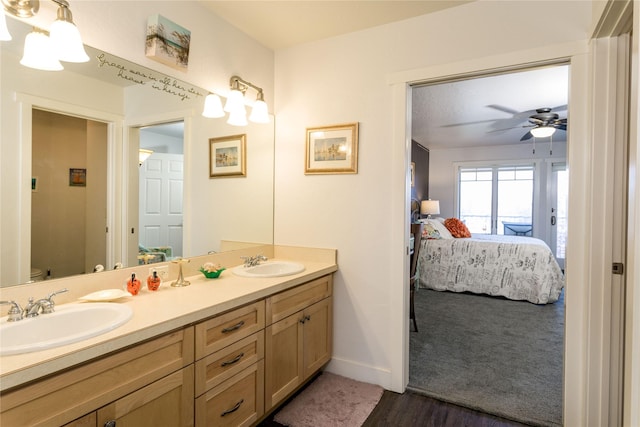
[(251, 261), (33, 308)]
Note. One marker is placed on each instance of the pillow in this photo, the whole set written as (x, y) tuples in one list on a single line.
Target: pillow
[(457, 228), (437, 225), (428, 232)]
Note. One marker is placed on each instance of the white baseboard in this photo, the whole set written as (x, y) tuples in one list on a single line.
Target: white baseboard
[(361, 372)]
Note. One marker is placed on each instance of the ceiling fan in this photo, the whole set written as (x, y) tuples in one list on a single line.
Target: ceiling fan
[(544, 123)]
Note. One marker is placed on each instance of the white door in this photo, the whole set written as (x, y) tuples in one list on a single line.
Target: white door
[(558, 199), (161, 177)]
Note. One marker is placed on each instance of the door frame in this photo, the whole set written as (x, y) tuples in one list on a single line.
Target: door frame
[(582, 343)]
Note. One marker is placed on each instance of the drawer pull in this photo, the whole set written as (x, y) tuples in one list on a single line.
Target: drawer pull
[(234, 409), (232, 361), (239, 325)]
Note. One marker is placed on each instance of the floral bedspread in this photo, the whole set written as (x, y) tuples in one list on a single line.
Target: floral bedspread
[(515, 267)]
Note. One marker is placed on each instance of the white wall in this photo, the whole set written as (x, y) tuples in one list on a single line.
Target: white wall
[(347, 79)]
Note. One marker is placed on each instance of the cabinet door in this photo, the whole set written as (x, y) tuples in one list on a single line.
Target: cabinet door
[(166, 402), (318, 332), (283, 358)]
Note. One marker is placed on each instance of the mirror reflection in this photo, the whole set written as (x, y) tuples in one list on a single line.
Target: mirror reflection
[(73, 173)]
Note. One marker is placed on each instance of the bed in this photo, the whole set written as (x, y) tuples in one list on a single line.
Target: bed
[(514, 267)]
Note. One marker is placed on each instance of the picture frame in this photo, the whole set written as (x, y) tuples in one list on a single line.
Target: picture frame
[(228, 156), (332, 149), (167, 42), (77, 177)]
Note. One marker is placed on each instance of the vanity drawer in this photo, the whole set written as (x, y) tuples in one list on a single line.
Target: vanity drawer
[(293, 300), (239, 401), (223, 364), (223, 330), (70, 394)]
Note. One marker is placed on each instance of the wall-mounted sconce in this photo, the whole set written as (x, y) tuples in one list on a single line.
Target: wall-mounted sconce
[(143, 155), (235, 104), (43, 51)]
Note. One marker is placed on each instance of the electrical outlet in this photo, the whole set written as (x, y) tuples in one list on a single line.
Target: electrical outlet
[(163, 271)]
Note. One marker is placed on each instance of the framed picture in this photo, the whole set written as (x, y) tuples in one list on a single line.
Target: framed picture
[(332, 149), (167, 42), (34, 184), (228, 156), (77, 177)]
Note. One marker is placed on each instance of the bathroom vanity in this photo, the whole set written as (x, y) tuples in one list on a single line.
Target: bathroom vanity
[(221, 352)]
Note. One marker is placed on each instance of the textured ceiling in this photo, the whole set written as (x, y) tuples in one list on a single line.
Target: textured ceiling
[(487, 111)]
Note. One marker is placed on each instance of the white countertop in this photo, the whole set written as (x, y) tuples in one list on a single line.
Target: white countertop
[(155, 313)]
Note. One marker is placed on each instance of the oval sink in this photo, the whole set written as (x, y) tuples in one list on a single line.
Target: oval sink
[(68, 324), (272, 268)]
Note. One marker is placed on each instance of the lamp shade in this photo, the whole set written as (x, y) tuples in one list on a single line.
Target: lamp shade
[(238, 118), (213, 107), (38, 53), (65, 38), (259, 112), (543, 131), (430, 207), (235, 101)]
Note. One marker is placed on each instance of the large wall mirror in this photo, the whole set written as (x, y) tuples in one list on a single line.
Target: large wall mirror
[(80, 196)]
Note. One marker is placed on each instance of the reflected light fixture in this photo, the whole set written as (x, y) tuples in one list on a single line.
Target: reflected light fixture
[(213, 107), (143, 155), (430, 207), (235, 104), (38, 52), (543, 131)]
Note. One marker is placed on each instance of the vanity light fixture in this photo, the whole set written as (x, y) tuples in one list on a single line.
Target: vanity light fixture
[(63, 41), (235, 104)]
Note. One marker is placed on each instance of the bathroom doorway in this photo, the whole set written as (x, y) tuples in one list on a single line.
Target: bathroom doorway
[(161, 201), (68, 195)]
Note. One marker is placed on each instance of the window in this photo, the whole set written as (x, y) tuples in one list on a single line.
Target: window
[(491, 196)]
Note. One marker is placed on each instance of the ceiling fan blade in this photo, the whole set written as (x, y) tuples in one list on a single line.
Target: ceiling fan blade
[(504, 109), (562, 127), (526, 136), (468, 123)]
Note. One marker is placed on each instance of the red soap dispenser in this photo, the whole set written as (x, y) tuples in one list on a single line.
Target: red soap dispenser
[(153, 281), (133, 285)]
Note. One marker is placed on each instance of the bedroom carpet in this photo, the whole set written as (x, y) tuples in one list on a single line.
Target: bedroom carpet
[(330, 401), (491, 354)]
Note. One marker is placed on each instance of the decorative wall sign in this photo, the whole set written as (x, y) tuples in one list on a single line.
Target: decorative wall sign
[(227, 156), (77, 177), (332, 149), (168, 42)]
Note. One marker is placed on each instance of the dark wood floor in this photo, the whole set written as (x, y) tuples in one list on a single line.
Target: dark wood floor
[(412, 409)]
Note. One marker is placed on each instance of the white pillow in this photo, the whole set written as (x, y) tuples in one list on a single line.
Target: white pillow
[(437, 225)]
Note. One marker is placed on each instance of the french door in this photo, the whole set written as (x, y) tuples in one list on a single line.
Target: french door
[(558, 197)]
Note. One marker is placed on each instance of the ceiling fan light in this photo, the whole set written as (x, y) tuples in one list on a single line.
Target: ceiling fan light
[(543, 131), (38, 53)]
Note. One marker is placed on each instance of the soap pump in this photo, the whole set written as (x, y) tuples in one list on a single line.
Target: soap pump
[(133, 285), (153, 281)]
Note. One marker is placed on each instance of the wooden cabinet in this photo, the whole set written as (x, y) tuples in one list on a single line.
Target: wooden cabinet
[(298, 337), (229, 370), (74, 393), (229, 379)]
